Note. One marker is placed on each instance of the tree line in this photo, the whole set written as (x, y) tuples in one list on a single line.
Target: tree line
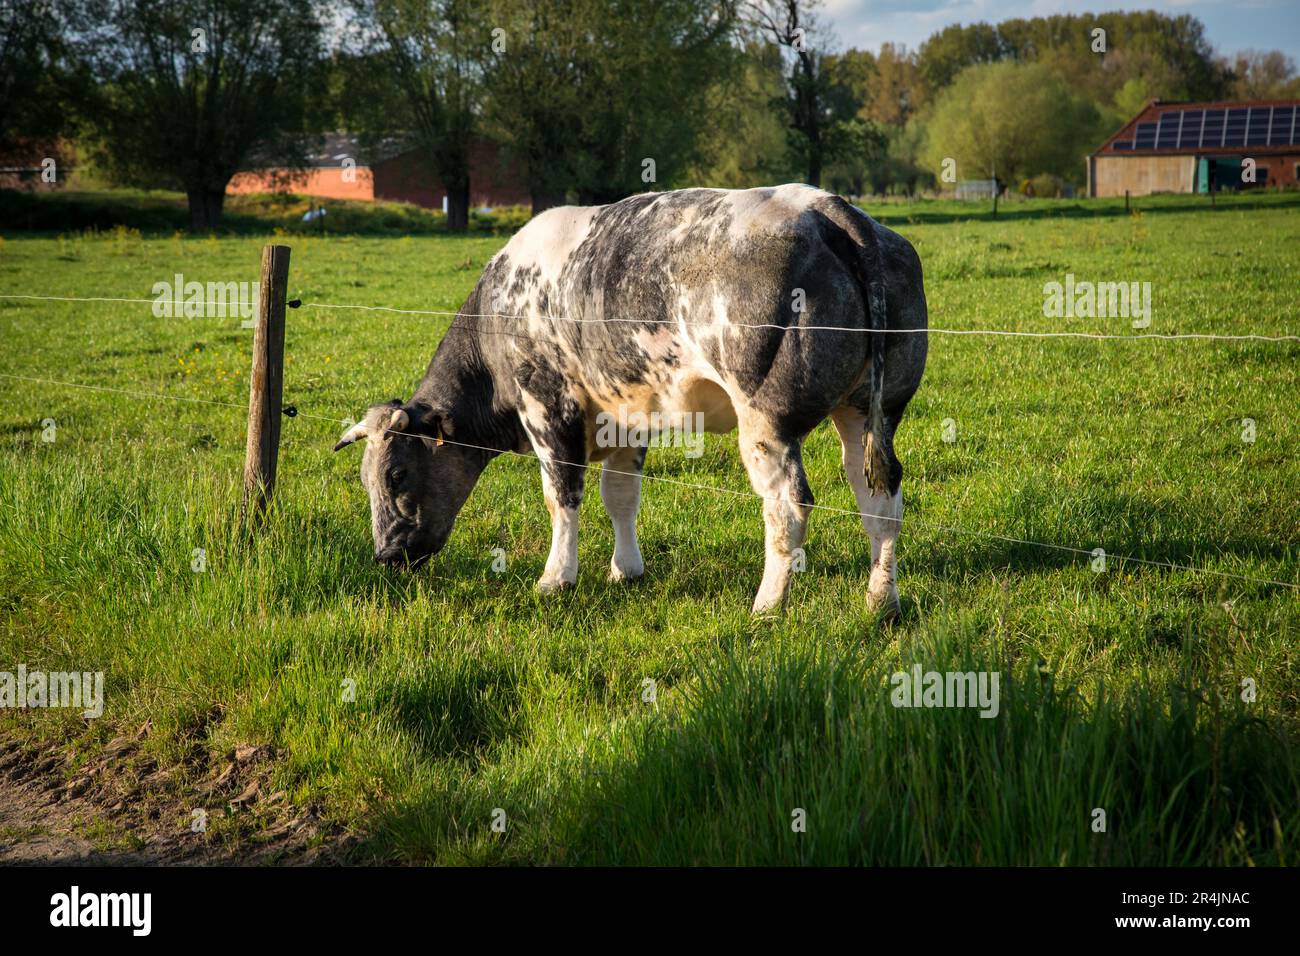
[(593, 99)]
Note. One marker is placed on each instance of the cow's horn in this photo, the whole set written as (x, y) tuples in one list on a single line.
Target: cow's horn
[(352, 434), (399, 421)]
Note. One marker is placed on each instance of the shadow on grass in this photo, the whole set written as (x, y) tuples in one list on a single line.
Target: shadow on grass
[(456, 706), (763, 741)]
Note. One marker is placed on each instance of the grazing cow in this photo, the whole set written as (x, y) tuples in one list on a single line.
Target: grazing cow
[(762, 309)]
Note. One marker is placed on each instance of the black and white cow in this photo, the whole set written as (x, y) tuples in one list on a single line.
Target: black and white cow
[(762, 309)]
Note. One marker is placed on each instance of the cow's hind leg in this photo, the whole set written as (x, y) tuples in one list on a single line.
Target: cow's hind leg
[(775, 467), (620, 489), (880, 502)]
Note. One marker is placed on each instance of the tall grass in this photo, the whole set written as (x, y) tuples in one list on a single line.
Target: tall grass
[(473, 700)]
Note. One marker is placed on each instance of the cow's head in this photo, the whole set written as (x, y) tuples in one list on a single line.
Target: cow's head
[(417, 477)]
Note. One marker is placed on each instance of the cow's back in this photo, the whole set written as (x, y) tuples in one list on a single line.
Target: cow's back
[(649, 301)]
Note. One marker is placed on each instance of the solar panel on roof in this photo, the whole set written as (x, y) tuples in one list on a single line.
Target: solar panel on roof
[(1257, 127), (1280, 131), (1234, 132), (1212, 135), (1217, 128), (1167, 136), (1189, 136)]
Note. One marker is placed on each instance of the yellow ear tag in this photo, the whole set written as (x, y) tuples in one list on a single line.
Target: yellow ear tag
[(437, 439)]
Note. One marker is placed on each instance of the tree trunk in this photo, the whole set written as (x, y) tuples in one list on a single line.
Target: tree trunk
[(808, 113), (205, 208), (815, 166), (458, 208)]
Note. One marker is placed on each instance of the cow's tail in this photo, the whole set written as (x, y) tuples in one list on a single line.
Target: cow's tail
[(866, 264)]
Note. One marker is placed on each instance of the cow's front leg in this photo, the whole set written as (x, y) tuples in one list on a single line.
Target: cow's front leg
[(620, 489), (775, 468), (558, 435), (563, 493)]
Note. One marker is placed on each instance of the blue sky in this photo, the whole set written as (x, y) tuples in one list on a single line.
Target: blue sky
[(1230, 25)]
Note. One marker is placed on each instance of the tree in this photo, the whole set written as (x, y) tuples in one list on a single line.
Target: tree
[(192, 89), (1263, 75), (745, 144), (902, 170), (434, 50), (897, 91), (952, 49), (1010, 120), (1171, 54), (815, 133), (37, 75), (591, 95)]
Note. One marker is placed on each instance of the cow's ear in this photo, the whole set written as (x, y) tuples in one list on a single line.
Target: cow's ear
[(426, 422)]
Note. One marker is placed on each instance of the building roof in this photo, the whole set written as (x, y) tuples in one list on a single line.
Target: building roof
[(330, 150), (333, 148), (1169, 129)]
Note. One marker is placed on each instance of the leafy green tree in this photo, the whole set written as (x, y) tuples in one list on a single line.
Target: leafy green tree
[(1008, 121), (434, 52), (192, 89), (815, 133), (859, 146), (897, 91), (745, 144), (1171, 54), (593, 95), (38, 74), (1263, 75), (903, 170), (952, 49)]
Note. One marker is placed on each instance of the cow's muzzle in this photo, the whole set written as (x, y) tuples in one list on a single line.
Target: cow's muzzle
[(402, 557)]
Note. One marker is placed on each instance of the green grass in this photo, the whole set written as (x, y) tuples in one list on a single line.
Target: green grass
[(1120, 690)]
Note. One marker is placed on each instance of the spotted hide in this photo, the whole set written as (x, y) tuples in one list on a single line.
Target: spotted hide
[(764, 310)]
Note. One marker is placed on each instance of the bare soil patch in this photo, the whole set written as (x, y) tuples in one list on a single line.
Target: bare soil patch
[(116, 807)]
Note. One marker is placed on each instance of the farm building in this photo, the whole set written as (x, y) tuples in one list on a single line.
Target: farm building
[(342, 168), (35, 165), (1196, 147)]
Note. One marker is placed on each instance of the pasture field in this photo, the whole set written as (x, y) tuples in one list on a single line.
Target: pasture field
[(1120, 690)]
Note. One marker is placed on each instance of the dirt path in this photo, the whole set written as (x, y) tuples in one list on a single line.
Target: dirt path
[(118, 808)]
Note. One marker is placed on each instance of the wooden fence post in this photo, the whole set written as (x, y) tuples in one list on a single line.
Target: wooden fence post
[(266, 387)]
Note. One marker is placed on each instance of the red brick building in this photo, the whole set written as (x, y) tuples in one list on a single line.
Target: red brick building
[(35, 165), (397, 171), (1193, 147)]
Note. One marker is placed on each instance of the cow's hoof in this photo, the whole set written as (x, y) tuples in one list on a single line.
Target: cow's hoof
[(553, 585), (884, 606), (629, 573), (767, 607)]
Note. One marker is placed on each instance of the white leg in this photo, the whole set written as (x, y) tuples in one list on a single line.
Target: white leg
[(620, 489), (562, 564), (776, 472), (882, 515)]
